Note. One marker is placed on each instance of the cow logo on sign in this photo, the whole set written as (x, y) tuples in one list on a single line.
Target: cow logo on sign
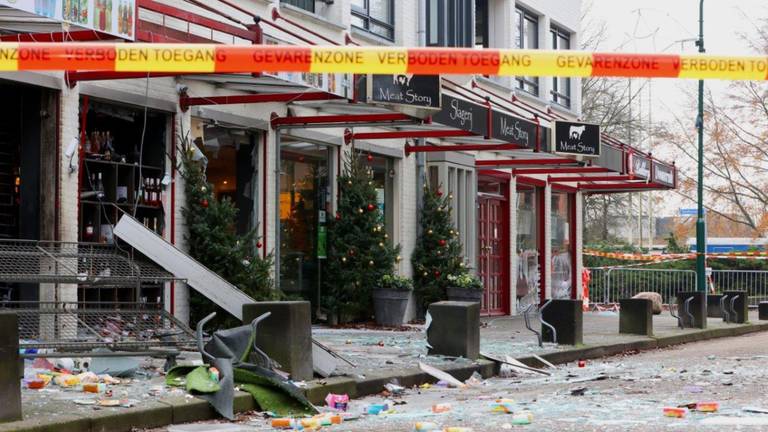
[(576, 138)]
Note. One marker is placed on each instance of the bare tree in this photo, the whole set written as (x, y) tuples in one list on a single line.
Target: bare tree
[(736, 156), (608, 102)]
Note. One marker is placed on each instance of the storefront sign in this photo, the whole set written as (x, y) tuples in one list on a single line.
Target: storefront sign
[(421, 91), (116, 17), (640, 166), (663, 174), (463, 115), (576, 138), (518, 131)]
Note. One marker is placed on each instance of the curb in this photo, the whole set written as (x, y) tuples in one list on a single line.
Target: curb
[(177, 410)]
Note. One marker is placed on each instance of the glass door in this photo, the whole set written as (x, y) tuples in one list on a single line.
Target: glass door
[(528, 248), (305, 202)]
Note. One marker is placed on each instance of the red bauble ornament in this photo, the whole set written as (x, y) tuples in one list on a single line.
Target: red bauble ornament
[(442, 242), (439, 193), (338, 216), (259, 245), (371, 207), (204, 203), (437, 274), (370, 158)]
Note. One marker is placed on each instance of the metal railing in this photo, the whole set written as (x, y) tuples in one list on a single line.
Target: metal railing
[(754, 282), (609, 285)]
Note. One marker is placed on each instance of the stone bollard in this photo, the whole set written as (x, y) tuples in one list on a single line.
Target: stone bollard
[(713, 306), (698, 307), (566, 316), (286, 336), (762, 310), (740, 305), (10, 383), (636, 316), (455, 329)]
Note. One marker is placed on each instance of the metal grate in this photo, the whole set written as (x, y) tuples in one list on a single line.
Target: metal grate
[(76, 263), (79, 326)]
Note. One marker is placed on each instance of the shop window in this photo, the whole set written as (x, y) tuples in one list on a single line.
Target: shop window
[(481, 24), (375, 16), (527, 38), (305, 203), (383, 174), (562, 251), (561, 86), (449, 23), (308, 5), (528, 247), (460, 183), (232, 170)]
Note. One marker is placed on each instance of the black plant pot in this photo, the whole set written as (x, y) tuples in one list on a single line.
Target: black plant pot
[(390, 306), (464, 295)]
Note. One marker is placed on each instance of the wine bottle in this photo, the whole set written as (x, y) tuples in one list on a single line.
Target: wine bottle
[(99, 188), (88, 232)]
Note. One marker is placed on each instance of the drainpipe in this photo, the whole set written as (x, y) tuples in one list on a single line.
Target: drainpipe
[(277, 207), (421, 157)]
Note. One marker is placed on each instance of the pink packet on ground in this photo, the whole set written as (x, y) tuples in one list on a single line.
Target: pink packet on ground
[(337, 402)]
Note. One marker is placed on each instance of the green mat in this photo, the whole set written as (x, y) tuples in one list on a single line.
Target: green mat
[(267, 396)]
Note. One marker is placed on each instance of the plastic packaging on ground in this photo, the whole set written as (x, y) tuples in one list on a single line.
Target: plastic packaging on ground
[(674, 412), (441, 408)]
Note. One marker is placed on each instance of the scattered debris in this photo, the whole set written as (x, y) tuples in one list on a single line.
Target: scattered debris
[(376, 409), (755, 410), (515, 364), (337, 402), (394, 389), (544, 361), (441, 408), (578, 391), (440, 375), (707, 407), (582, 363), (674, 412), (505, 406), (522, 418), (425, 427)]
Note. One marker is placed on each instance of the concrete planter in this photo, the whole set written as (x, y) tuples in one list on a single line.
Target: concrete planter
[(464, 295), (389, 306)]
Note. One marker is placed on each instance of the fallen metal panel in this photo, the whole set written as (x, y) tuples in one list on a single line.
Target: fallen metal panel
[(181, 265)]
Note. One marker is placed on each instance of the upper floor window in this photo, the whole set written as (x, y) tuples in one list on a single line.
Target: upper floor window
[(375, 16), (527, 38), (561, 86), (449, 23), (481, 24), (308, 5)]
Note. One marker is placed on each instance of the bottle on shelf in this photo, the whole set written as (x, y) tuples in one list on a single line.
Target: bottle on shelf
[(89, 233), (99, 188)]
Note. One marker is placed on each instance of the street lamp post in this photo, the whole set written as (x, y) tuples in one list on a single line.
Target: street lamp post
[(701, 228)]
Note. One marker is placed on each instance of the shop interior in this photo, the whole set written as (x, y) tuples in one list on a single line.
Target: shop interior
[(123, 171)]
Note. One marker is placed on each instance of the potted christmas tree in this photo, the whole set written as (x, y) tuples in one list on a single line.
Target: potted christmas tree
[(438, 251), (390, 299), (359, 250), (465, 287)]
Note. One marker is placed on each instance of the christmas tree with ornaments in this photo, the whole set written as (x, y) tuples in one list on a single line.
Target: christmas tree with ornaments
[(359, 250), (213, 240), (438, 252)]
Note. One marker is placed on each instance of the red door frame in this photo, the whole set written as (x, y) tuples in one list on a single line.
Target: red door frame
[(506, 261), (575, 277)]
